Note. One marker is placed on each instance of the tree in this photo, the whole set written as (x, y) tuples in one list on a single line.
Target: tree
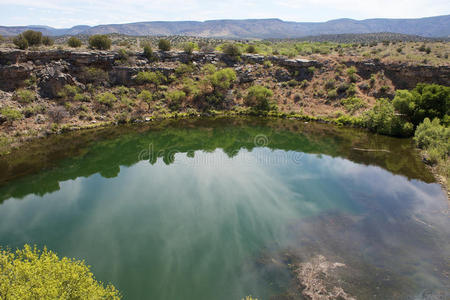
[(164, 45), (148, 53), (74, 42), (33, 274), (20, 42), (47, 41), (250, 49), (100, 42), (222, 79), (259, 97), (34, 38), (231, 50), (146, 96), (188, 47)]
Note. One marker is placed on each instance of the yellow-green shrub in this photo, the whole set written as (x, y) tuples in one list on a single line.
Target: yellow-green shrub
[(34, 274)]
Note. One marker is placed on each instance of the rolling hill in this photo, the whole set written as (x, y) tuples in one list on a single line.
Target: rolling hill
[(255, 28)]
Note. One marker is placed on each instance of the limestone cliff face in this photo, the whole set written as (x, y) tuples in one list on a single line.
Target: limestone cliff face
[(54, 69)]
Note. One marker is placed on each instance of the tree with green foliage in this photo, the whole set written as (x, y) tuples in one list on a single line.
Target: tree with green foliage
[(47, 41), (148, 53), (106, 98), (100, 42), (259, 97), (74, 42), (20, 42), (232, 50), (34, 38), (11, 114), (424, 101), (146, 96), (189, 47), (175, 99), (155, 78), (434, 138), (250, 49), (383, 119), (24, 96), (164, 45), (33, 274), (223, 79)]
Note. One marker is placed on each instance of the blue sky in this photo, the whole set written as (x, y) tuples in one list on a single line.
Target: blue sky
[(64, 13)]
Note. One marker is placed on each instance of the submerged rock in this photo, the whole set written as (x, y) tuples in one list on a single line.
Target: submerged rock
[(315, 280)]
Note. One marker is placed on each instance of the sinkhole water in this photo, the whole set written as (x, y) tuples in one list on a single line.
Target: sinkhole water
[(225, 208)]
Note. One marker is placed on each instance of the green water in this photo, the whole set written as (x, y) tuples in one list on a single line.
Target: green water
[(207, 209)]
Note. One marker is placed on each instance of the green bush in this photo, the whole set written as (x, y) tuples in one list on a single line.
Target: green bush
[(145, 96), (100, 42), (94, 75), (11, 114), (68, 92), (164, 45), (184, 69), (24, 96), (353, 104), (189, 47), (434, 138), (250, 49), (175, 98), (383, 119), (155, 78), (74, 42), (106, 98), (259, 97), (223, 79), (232, 50), (47, 41), (34, 274), (148, 53), (20, 42), (424, 101), (34, 38)]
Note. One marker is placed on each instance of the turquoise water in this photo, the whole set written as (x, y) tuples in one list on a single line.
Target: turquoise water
[(193, 209)]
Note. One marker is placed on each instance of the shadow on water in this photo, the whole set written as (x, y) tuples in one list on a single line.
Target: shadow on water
[(223, 208)]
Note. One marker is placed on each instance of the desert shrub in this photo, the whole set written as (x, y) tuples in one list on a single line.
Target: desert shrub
[(353, 104), (372, 80), (107, 99), (164, 45), (175, 98), (209, 69), (231, 50), (351, 72), (29, 273), (100, 42), (123, 55), (74, 42), (312, 70), (24, 96), (148, 53), (330, 84), (20, 42), (155, 78), (259, 97), (332, 94), (81, 98), (223, 79), (146, 96), (57, 114), (94, 75), (268, 64), (434, 138), (190, 87), (68, 92), (11, 114), (34, 38), (189, 47), (250, 49), (383, 119), (184, 69), (292, 83), (47, 41)]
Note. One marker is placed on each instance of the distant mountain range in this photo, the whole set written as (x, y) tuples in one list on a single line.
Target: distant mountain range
[(257, 28)]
